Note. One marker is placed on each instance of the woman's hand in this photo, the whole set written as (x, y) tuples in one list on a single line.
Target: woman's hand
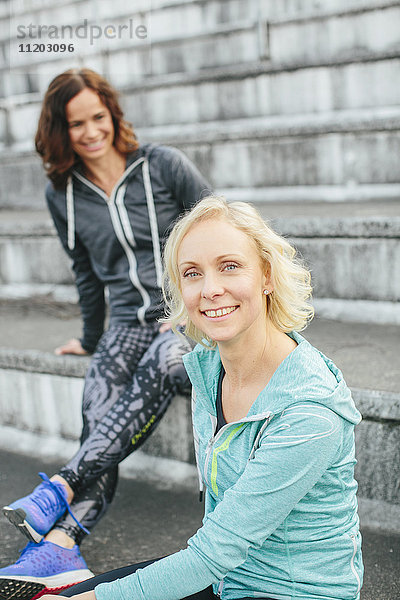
[(71, 347), (167, 326)]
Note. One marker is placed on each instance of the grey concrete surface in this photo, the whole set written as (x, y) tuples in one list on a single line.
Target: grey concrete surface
[(368, 355), (17, 222), (146, 521), (340, 245), (46, 392)]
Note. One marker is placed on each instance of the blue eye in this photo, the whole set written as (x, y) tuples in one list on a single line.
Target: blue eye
[(190, 274), (230, 267)]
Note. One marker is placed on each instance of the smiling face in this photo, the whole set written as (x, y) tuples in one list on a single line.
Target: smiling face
[(90, 126), (222, 282)]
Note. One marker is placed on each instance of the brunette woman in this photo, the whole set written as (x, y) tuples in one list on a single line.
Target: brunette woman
[(112, 202)]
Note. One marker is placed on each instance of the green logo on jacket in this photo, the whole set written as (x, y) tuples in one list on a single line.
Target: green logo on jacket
[(214, 467)]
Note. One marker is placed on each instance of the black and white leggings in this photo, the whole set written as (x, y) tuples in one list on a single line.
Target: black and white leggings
[(133, 376)]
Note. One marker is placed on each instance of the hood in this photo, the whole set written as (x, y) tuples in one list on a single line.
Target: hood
[(306, 374)]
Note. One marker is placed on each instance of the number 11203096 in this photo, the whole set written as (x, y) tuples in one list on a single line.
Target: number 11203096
[(46, 48)]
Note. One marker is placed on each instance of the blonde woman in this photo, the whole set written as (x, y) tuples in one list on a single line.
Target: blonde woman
[(273, 421)]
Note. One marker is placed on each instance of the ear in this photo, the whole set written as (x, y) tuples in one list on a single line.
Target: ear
[(267, 279)]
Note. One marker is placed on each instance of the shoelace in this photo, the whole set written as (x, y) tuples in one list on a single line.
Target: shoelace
[(46, 503), (62, 501)]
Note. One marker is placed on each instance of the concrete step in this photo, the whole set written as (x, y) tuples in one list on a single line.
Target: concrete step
[(340, 243), (23, 180), (334, 35), (171, 52), (42, 326), (292, 9), (222, 96), (46, 390), (65, 297), (173, 38), (341, 148), (260, 90), (338, 148), (254, 90), (208, 42), (188, 36), (35, 258)]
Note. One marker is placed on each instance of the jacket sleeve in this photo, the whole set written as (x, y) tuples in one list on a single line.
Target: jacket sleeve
[(182, 178), (90, 288), (294, 453)]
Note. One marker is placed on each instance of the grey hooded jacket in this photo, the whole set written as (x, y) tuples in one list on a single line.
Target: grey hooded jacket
[(116, 242)]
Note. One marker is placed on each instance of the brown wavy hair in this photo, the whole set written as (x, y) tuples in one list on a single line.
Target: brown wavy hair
[(52, 137)]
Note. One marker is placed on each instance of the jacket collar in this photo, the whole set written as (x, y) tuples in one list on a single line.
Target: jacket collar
[(203, 367)]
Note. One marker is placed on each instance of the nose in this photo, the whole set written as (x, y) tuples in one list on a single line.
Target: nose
[(212, 286), (90, 130)]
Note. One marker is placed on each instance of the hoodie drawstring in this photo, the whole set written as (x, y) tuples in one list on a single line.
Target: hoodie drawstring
[(70, 214), (153, 222)]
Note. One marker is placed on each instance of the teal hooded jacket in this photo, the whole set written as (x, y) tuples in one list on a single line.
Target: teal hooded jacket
[(281, 510)]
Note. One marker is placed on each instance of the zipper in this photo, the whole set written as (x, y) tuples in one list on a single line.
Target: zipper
[(126, 241), (220, 586), (133, 274), (208, 449), (123, 215), (356, 575)]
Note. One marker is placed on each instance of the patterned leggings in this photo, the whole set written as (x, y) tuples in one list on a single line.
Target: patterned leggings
[(133, 376)]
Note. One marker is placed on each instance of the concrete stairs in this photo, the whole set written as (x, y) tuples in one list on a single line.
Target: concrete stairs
[(292, 105), (40, 403), (298, 99), (41, 397), (352, 249)]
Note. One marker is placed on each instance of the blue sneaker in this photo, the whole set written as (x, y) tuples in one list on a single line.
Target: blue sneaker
[(42, 566), (35, 515)]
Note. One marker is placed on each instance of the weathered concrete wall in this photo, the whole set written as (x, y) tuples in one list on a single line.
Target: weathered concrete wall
[(47, 404), (340, 253)]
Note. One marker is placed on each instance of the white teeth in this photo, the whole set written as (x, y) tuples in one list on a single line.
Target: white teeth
[(220, 312)]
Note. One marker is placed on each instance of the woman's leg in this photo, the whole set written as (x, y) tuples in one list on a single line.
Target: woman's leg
[(110, 436), (90, 584), (109, 374)]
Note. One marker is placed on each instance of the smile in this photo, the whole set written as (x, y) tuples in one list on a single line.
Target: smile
[(219, 312), (94, 145)]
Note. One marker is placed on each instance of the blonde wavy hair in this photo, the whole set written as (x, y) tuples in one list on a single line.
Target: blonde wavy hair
[(287, 305)]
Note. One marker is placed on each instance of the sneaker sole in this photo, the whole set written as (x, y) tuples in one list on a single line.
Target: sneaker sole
[(17, 518), (11, 589), (25, 587), (54, 591)]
